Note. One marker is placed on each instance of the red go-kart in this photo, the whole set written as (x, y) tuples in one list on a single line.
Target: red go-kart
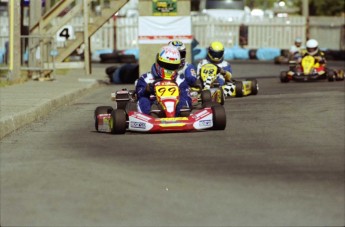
[(162, 117)]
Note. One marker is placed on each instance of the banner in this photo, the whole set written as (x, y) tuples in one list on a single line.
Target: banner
[(161, 29)]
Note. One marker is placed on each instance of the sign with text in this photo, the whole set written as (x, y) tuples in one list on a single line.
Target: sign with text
[(161, 30), (164, 7), (65, 33)]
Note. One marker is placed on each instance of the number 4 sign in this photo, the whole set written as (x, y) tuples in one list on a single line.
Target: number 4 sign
[(65, 33)]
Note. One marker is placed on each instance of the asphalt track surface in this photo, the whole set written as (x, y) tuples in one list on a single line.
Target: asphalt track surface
[(279, 162)]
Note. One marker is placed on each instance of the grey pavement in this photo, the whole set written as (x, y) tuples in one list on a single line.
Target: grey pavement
[(24, 103)]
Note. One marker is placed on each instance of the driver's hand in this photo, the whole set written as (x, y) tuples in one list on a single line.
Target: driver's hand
[(318, 58), (220, 70), (149, 88), (228, 76)]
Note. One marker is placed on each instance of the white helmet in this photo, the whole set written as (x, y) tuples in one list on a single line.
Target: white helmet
[(312, 46), (298, 41), (181, 48), (168, 61)]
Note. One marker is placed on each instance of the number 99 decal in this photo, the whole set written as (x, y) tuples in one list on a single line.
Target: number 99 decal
[(167, 91)]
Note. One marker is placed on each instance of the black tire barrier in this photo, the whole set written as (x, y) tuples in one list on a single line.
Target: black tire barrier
[(252, 54), (127, 58), (335, 55), (109, 58)]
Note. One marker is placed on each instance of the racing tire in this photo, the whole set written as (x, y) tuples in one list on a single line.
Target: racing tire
[(156, 111), (185, 113), (206, 96), (127, 58), (219, 117), (118, 123), (101, 110), (331, 76), (255, 87), (222, 97), (210, 104), (283, 77), (109, 58), (239, 88), (340, 75), (121, 105)]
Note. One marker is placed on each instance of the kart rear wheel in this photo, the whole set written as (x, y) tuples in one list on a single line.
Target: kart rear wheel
[(283, 77), (219, 117), (206, 96), (255, 87), (239, 88), (101, 110), (118, 121)]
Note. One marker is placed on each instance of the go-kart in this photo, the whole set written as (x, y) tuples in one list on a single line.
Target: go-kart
[(242, 88), (162, 117), (209, 89), (310, 70)]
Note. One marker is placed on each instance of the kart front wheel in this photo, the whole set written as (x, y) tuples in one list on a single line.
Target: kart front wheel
[(283, 77), (205, 96), (118, 121), (101, 110), (331, 75), (219, 117)]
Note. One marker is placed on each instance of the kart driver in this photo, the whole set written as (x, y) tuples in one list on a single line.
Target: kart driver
[(215, 55), (186, 72), (295, 50), (168, 61), (312, 49)]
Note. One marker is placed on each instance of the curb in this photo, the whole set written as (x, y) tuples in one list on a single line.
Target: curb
[(11, 124)]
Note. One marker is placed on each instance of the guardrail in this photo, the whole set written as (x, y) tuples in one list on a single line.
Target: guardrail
[(37, 53), (252, 33)]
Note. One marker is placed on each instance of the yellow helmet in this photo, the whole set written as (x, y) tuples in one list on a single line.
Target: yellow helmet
[(216, 52)]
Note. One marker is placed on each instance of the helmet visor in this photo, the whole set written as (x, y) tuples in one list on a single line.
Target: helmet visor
[(168, 74), (311, 50), (183, 53), (168, 66), (216, 54)]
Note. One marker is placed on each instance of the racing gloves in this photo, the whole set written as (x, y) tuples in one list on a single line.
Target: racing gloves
[(227, 75), (150, 88)]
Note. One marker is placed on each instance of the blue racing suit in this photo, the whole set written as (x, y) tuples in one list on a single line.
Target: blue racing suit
[(185, 79), (144, 101)]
